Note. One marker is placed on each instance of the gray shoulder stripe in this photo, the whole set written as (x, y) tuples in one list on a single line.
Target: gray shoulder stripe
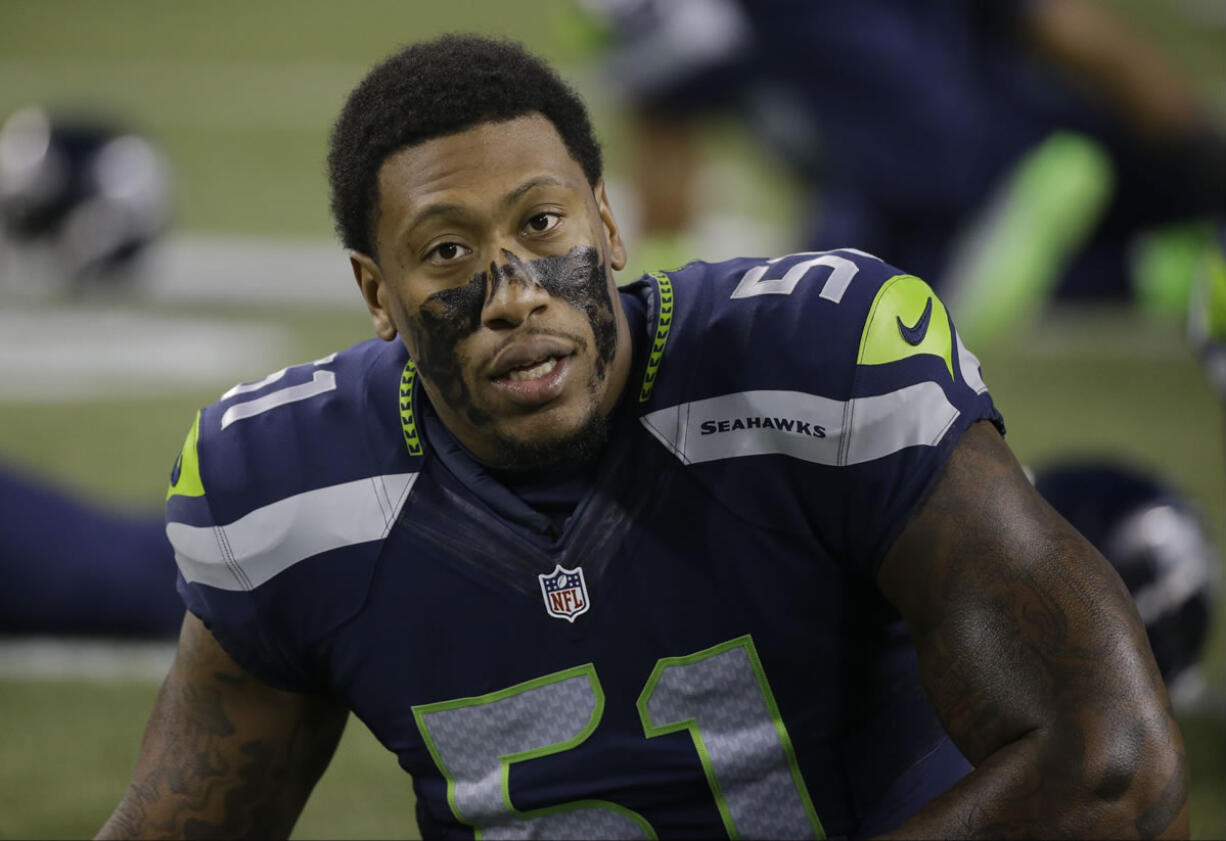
[(804, 426), (244, 554), (969, 363)]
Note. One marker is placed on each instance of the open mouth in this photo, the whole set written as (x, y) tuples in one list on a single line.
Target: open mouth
[(536, 382), (532, 372)]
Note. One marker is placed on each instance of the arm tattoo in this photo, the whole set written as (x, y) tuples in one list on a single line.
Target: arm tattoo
[(220, 760), (1036, 662)]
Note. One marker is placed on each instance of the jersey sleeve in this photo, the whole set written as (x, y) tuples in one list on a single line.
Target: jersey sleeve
[(279, 504), (818, 394), (216, 592), (915, 389)]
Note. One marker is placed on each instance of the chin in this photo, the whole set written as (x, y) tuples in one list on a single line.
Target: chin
[(532, 449)]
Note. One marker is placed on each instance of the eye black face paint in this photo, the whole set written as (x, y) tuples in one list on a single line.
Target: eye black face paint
[(450, 316), (445, 320), (579, 278)]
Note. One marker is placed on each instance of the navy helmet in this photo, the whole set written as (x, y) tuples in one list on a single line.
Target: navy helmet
[(81, 197), (1158, 544)]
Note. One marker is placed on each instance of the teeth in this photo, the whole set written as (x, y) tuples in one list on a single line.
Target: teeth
[(534, 372)]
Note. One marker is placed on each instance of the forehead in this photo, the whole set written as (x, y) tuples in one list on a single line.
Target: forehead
[(477, 165)]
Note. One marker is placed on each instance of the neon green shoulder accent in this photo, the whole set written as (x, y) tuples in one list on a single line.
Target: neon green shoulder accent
[(408, 422), (185, 478), (906, 319), (664, 321)]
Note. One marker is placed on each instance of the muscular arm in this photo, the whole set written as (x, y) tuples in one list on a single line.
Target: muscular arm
[(224, 755), (1037, 663)]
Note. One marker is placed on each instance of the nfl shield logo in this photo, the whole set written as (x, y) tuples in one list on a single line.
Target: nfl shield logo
[(564, 592)]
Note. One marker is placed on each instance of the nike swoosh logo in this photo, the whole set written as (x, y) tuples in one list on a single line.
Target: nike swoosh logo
[(915, 334)]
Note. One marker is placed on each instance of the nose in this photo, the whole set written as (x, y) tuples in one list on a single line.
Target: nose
[(514, 294)]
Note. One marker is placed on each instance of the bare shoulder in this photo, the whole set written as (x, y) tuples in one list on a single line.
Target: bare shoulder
[(224, 754)]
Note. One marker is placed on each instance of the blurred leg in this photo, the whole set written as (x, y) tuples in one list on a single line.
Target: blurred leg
[(71, 568)]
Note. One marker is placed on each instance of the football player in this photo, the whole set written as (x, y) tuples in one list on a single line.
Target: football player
[(736, 549)]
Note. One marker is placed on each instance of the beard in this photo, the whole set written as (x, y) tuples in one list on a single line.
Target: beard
[(582, 444)]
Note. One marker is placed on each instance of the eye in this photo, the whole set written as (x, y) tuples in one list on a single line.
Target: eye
[(448, 252), (541, 223)]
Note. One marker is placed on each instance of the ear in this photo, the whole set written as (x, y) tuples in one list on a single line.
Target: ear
[(374, 291), (617, 249)]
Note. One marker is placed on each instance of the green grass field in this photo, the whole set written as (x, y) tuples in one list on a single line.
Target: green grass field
[(241, 95)]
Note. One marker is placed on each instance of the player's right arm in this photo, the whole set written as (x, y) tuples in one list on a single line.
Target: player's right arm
[(224, 754)]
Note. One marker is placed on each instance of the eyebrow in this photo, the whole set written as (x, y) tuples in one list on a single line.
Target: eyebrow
[(531, 184), (459, 210), (442, 209)]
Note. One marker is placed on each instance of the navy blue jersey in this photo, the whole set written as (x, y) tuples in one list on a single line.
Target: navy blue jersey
[(699, 649)]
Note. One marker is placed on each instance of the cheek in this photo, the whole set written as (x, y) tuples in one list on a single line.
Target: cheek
[(443, 321), (580, 279)]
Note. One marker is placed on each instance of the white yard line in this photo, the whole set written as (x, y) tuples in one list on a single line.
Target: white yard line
[(198, 268), (90, 660), (52, 355)]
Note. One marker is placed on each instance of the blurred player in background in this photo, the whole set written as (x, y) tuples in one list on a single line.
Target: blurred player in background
[(1003, 150), (71, 567), (82, 200)]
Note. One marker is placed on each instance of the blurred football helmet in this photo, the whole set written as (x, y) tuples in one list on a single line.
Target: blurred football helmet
[(80, 199), (1158, 544)]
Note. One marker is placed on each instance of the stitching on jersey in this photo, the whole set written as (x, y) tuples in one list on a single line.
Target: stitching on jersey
[(399, 501), (240, 573), (380, 488), (663, 437), (683, 428), (936, 439), (849, 411), (227, 554)]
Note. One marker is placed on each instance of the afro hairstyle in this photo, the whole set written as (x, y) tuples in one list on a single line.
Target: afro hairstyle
[(433, 89)]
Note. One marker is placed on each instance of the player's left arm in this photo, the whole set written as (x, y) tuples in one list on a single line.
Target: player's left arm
[(1037, 663)]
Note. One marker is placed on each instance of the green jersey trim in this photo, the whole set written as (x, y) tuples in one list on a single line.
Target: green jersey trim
[(408, 422), (664, 322), (186, 479)]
